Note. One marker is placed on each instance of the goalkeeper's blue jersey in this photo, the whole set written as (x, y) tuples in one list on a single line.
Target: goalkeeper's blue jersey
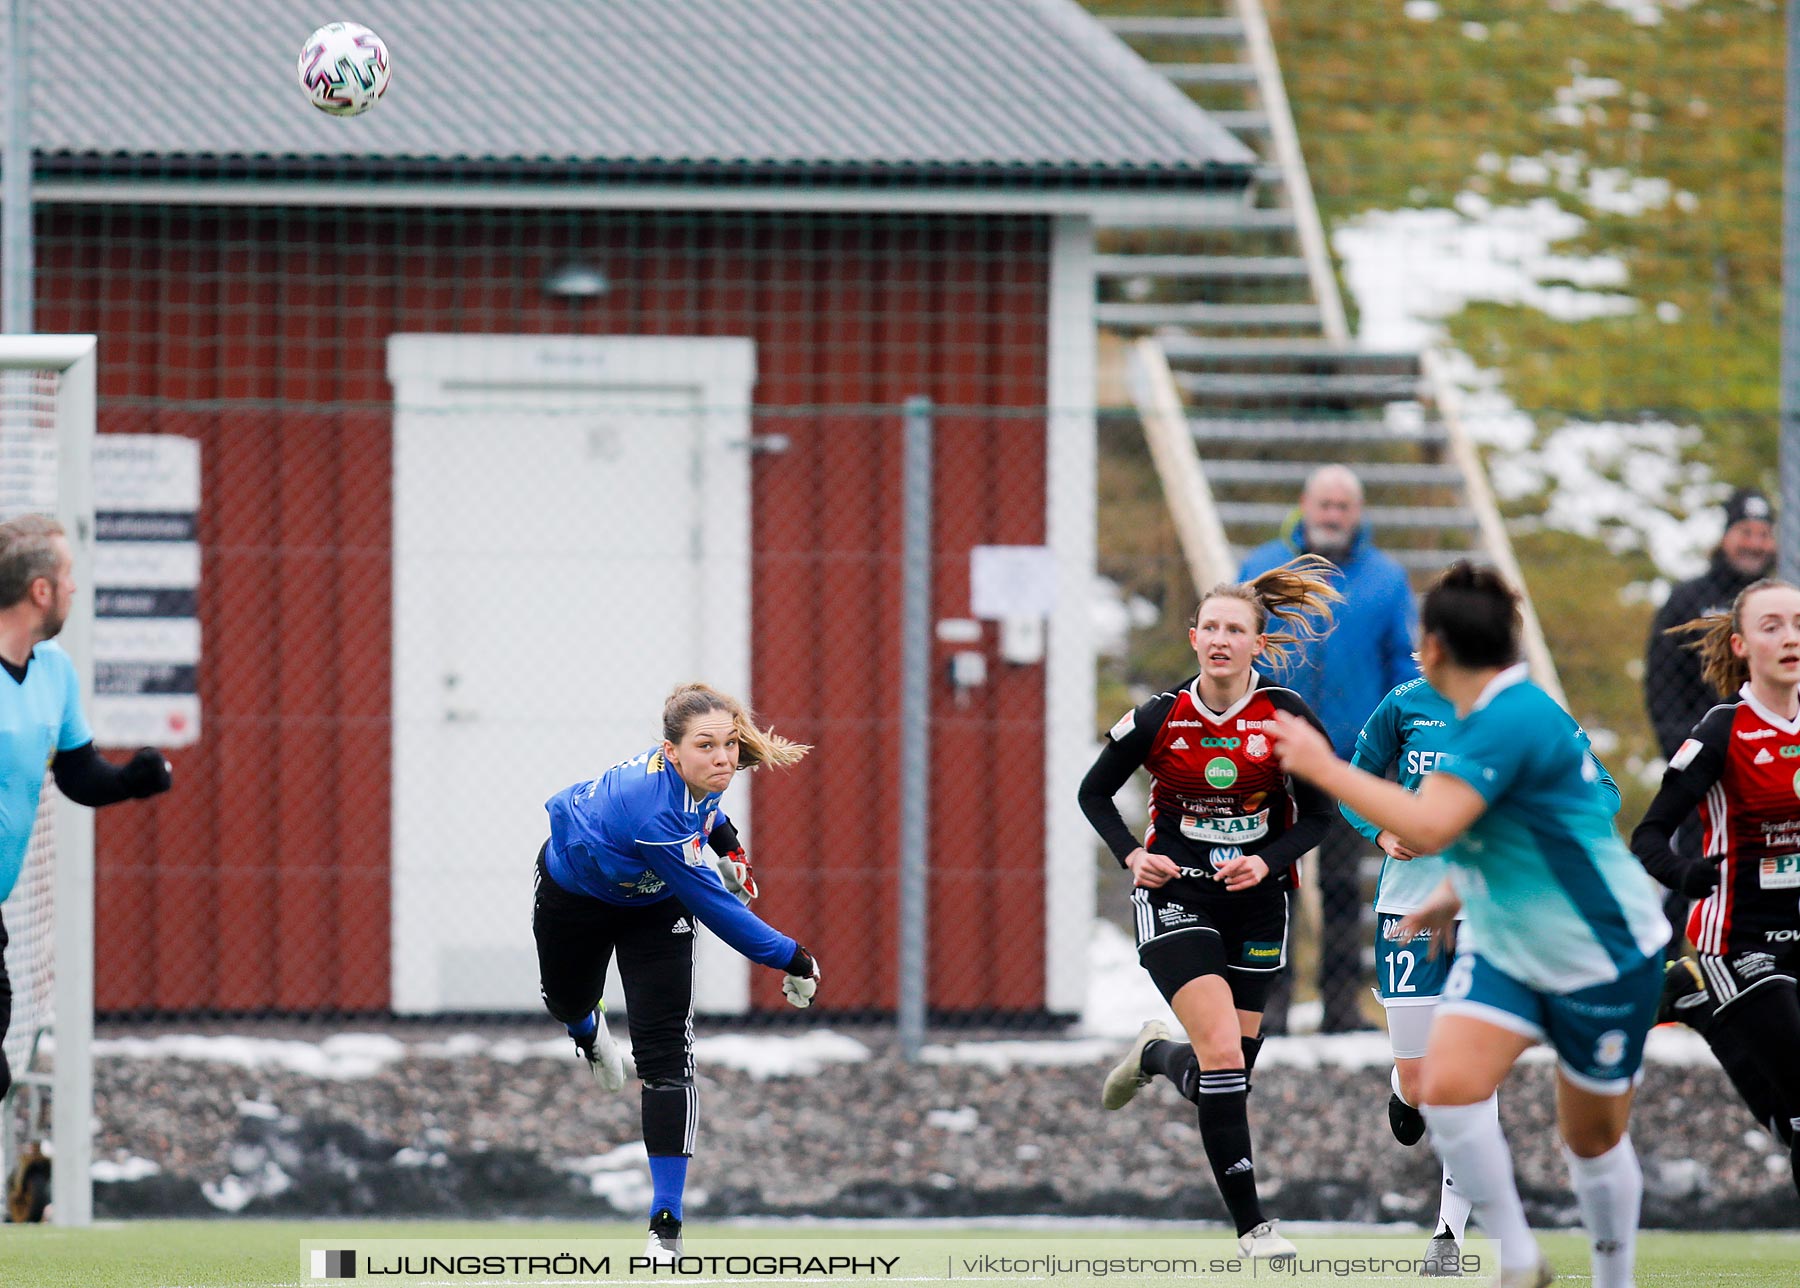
[(637, 835), (1406, 735), (1552, 896), (39, 716)]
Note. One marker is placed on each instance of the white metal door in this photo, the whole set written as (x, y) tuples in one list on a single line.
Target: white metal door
[(561, 529)]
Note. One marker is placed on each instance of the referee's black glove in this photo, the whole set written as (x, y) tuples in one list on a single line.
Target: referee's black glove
[(1697, 879), (147, 773)]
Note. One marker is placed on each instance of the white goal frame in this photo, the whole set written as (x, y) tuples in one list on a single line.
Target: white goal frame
[(72, 999)]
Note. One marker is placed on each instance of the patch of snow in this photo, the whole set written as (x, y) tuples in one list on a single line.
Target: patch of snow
[(961, 1121), (1422, 10), (1475, 31), (341, 1057), (764, 1056), (1411, 269), (106, 1171)]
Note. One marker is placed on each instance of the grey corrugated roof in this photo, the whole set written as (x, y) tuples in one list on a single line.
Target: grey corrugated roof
[(684, 84)]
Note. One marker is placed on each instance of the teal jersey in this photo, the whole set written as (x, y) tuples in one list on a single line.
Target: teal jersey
[(39, 716), (1551, 895), (1404, 738)]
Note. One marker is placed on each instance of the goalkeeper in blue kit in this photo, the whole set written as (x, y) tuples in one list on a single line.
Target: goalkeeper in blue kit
[(40, 713), (625, 873)]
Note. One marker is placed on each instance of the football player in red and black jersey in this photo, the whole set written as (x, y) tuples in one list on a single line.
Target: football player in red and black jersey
[(1741, 767), (1210, 881)]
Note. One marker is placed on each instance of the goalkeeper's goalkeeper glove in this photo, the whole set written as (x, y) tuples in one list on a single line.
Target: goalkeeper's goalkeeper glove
[(802, 979), (738, 876)]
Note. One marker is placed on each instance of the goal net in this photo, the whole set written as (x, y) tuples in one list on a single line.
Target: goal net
[(47, 390)]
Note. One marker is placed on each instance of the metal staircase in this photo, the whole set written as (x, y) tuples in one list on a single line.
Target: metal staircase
[(1243, 358)]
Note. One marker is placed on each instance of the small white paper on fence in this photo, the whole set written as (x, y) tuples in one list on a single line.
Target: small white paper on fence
[(1011, 581)]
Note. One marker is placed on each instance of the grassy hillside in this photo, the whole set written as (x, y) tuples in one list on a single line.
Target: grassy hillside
[(1397, 112)]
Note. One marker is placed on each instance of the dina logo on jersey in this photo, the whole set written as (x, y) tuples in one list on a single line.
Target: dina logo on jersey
[(1220, 772), (1796, 780)]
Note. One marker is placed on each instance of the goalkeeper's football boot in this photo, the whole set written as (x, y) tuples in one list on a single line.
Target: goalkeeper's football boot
[(601, 1051), (1443, 1258), (1684, 997), (1128, 1076), (1261, 1243), (664, 1245), (1406, 1122)]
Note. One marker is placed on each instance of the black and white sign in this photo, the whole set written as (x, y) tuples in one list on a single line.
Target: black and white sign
[(146, 590)]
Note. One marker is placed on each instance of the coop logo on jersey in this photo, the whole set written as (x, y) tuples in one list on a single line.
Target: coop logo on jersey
[(1790, 751), (1609, 1051), (1256, 747), (1220, 772), (1229, 743)]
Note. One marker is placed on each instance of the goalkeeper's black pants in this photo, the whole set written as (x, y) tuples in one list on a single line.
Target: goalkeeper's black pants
[(654, 942), (5, 1014)]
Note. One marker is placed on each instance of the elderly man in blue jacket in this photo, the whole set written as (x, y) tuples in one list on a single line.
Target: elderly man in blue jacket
[(1343, 677)]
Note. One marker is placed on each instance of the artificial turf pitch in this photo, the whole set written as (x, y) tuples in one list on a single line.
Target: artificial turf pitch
[(264, 1254)]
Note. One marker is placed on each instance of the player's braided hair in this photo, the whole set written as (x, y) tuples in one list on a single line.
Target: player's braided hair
[(1299, 594), (1722, 669), (755, 746), (27, 552)]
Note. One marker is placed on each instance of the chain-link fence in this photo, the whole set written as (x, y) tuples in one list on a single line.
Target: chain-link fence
[(513, 408)]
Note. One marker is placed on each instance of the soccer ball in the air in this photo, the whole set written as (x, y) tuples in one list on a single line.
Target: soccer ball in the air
[(344, 68)]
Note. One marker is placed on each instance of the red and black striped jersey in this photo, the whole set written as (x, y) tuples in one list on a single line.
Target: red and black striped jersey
[(1741, 764), (1216, 787)]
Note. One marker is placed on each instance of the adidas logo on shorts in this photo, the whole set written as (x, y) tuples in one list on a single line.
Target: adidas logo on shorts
[(681, 927)]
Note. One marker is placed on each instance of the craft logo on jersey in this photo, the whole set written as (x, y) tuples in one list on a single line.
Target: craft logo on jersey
[(1256, 747), (1220, 772)]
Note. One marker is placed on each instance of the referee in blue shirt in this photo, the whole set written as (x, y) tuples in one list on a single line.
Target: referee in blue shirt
[(40, 713), (626, 872)]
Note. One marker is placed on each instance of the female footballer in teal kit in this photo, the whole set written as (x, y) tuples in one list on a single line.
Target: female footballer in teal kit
[(1406, 736), (1568, 928)]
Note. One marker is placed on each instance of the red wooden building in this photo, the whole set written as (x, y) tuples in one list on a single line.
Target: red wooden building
[(513, 409)]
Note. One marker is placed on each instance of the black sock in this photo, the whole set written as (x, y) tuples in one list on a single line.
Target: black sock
[(1176, 1062), (669, 1110), (1225, 1132), (1252, 1049)]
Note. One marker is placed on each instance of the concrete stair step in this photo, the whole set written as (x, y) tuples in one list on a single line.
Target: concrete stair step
[(1236, 219), (1206, 315), (1206, 266), (1373, 473), (1274, 513), (1302, 386), (1350, 432), (1207, 73), (1176, 28)]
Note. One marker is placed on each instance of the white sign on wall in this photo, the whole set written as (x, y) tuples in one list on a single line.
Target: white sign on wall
[(146, 590)]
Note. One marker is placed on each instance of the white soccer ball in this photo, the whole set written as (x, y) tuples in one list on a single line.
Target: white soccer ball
[(344, 68)]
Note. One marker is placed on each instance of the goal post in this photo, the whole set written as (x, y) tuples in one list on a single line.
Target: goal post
[(47, 426)]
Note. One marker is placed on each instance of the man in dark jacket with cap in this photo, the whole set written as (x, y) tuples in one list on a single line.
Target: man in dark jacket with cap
[(1673, 691)]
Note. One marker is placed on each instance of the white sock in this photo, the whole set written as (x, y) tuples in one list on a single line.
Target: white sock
[(1453, 1205), (1609, 1190), (1469, 1140), (1394, 1082)]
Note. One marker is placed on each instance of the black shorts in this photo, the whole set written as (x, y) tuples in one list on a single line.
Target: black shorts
[(1182, 936), (1729, 976), (577, 936)]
